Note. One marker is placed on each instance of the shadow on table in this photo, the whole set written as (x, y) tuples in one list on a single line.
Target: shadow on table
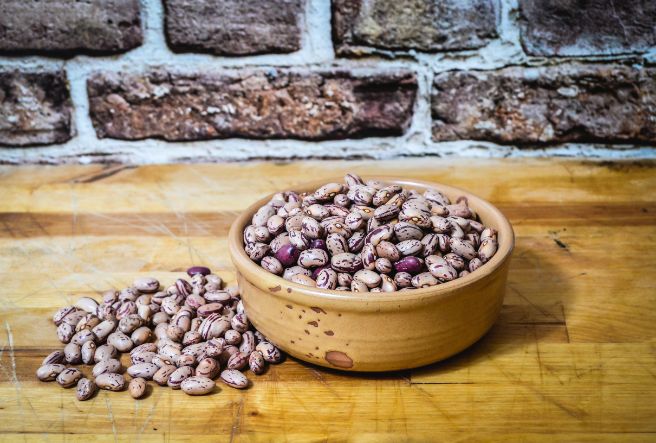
[(537, 294)]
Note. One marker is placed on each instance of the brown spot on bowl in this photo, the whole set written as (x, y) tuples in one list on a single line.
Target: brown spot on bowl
[(289, 290), (318, 310), (313, 323), (289, 307), (339, 359), (275, 288), (330, 333)]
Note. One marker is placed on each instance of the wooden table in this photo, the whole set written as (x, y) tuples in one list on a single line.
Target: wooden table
[(573, 352)]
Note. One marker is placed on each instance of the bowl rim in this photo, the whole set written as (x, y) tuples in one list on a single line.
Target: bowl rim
[(247, 267)]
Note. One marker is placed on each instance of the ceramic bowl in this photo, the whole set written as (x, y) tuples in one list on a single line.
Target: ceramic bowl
[(375, 331)]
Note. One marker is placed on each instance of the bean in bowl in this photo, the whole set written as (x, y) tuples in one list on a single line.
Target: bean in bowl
[(368, 237)]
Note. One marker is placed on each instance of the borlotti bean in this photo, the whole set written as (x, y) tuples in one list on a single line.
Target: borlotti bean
[(137, 387), (367, 237), (85, 389), (187, 334), (197, 385), (111, 382), (69, 377)]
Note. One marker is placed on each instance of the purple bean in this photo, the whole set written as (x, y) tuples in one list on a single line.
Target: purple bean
[(318, 243), (288, 255), (411, 265), (198, 270)]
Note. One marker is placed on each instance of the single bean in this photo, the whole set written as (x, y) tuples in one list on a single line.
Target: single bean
[(312, 258), (403, 279), (85, 389), (61, 313), (410, 264), (304, 280), (141, 335), (146, 285), (208, 367), (143, 370), (69, 377), (120, 341), (237, 361), (346, 262), (256, 363), (108, 366), (462, 248), (272, 265), (234, 379), (87, 304), (111, 382), (72, 354), (197, 385), (487, 249), (326, 279), (248, 342), (65, 332), (424, 280), (137, 387), (370, 278), (88, 352), (54, 357)]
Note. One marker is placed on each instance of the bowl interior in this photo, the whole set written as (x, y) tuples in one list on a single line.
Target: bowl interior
[(488, 214)]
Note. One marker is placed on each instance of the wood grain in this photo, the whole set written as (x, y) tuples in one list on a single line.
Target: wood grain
[(572, 357)]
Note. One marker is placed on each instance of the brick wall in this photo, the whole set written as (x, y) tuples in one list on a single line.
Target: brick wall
[(194, 80)]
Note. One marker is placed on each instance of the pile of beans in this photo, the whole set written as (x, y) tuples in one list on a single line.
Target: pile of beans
[(182, 337), (368, 237)]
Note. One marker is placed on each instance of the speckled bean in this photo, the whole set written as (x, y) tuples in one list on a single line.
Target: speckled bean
[(49, 372), (107, 366), (54, 357), (179, 375), (137, 387), (143, 370), (85, 389), (234, 379), (111, 382), (256, 363), (69, 377), (197, 385)]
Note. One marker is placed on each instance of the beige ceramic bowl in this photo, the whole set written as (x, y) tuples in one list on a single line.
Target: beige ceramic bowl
[(377, 331)]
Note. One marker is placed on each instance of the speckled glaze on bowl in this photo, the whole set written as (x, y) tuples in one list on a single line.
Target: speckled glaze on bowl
[(377, 331)]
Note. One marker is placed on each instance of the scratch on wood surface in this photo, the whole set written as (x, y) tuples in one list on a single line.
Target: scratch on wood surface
[(536, 307), (38, 223), (436, 406), (8, 229), (572, 411), (181, 216), (12, 357), (106, 172), (305, 408), (319, 377), (150, 414), (110, 414), (235, 429), (538, 356)]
